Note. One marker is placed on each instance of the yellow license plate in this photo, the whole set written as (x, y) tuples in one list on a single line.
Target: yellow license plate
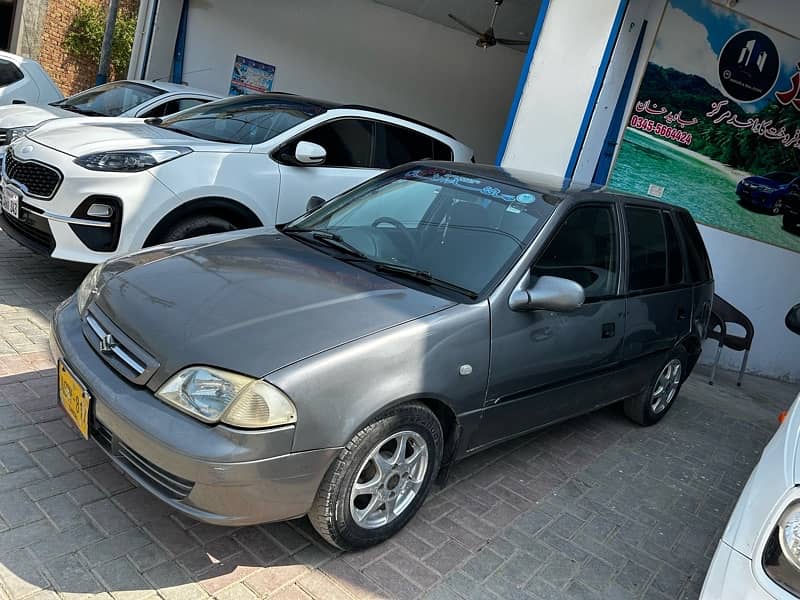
[(74, 398)]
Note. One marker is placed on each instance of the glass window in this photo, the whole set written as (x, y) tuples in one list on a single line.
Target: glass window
[(243, 119), (584, 250), (647, 248), (674, 255), (9, 73), (696, 255), (347, 142), (173, 106), (109, 100), (395, 145), (461, 229)]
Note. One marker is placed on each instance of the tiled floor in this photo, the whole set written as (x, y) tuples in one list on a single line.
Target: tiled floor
[(593, 508)]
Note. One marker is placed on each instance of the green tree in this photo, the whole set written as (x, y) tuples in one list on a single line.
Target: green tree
[(84, 38)]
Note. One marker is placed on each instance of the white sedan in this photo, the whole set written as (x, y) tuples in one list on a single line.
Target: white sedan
[(23, 80), (88, 189), (758, 557), (116, 99)]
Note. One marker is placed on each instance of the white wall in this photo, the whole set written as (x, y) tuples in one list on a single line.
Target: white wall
[(362, 52), (763, 282), (565, 65)]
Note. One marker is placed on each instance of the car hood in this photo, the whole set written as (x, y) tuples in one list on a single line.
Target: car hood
[(86, 135), (758, 180), (251, 304), (770, 487), (28, 115)]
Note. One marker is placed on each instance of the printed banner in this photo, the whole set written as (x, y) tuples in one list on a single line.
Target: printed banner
[(251, 77), (716, 124)]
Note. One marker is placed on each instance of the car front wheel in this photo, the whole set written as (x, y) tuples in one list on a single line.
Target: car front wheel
[(380, 479), (651, 406), (194, 226)]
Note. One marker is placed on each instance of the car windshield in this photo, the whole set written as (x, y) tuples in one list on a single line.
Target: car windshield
[(242, 119), (110, 100), (780, 177), (457, 231)]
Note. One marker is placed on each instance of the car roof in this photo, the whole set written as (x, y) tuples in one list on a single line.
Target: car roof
[(326, 105), (167, 87), (565, 189)]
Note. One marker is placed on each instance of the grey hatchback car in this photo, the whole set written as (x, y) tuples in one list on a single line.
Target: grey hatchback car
[(335, 365)]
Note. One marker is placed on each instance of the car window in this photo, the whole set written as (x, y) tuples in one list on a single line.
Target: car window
[(696, 255), (173, 106), (9, 73), (584, 250), (395, 145), (347, 142), (674, 255), (647, 248), (243, 119), (462, 229), (110, 100)]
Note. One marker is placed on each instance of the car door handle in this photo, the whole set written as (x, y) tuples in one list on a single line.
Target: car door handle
[(682, 314), (609, 330)]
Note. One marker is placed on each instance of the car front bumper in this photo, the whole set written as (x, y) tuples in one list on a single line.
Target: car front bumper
[(216, 474), (731, 576)]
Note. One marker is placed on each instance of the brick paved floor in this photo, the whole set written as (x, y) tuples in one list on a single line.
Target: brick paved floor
[(592, 508)]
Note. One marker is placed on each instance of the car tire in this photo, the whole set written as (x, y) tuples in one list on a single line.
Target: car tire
[(350, 520), (791, 223), (194, 226), (651, 406)]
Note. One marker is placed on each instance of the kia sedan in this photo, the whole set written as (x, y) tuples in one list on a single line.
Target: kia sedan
[(336, 365)]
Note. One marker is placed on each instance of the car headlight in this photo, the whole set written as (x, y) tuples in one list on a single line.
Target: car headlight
[(214, 396), (16, 133), (130, 161), (781, 557), (88, 288)]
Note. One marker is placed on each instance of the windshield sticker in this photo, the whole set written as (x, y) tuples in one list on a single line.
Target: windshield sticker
[(468, 183), (526, 198)]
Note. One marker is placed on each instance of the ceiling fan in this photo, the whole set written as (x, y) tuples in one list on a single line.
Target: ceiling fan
[(487, 38)]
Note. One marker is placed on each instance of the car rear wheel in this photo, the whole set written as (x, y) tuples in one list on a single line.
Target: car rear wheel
[(194, 226), (380, 479), (651, 406), (791, 223)]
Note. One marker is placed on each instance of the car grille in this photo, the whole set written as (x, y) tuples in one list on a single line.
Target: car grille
[(169, 484), (36, 179), (34, 229), (3, 137), (117, 349)]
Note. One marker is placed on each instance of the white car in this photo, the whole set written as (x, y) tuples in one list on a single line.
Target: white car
[(85, 189), (758, 557), (116, 99), (23, 80)]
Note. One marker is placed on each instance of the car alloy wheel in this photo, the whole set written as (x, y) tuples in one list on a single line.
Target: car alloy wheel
[(667, 384), (389, 479)]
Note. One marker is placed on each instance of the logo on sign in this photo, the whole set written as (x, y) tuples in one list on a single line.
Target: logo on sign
[(749, 66)]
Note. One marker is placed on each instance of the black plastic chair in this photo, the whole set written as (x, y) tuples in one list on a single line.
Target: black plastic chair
[(722, 313)]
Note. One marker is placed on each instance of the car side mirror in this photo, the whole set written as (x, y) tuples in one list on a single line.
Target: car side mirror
[(548, 293), (309, 153), (314, 203), (793, 319)]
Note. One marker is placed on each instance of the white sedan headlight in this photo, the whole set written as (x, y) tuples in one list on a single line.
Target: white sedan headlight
[(130, 161), (88, 288), (789, 534), (214, 396)]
